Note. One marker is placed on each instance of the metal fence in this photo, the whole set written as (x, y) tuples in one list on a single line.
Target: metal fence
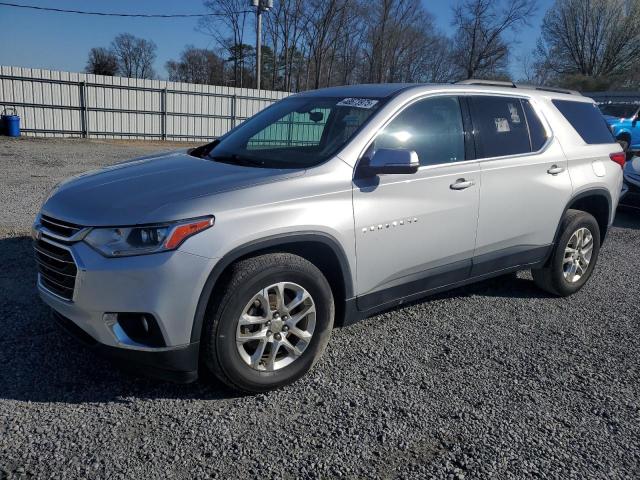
[(65, 104)]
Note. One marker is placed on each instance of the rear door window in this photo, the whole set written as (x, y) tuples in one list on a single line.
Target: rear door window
[(587, 120), (500, 126)]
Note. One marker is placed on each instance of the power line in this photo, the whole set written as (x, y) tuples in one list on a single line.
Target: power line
[(109, 14)]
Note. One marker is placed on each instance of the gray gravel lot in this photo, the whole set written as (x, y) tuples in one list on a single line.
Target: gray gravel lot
[(30, 167), (492, 380)]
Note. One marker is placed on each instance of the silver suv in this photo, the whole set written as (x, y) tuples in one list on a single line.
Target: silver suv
[(240, 256)]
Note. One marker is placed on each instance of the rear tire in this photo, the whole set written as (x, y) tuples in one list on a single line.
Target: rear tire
[(253, 336), (574, 255)]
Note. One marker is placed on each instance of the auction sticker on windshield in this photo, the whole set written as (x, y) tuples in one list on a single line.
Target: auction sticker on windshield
[(357, 102)]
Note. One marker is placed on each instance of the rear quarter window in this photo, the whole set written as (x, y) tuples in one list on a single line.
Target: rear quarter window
[(587, 120), (536, 129)]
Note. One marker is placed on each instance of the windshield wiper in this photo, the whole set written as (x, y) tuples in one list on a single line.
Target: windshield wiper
[(236, 159)]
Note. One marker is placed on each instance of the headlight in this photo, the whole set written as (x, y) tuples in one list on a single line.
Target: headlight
[(140, 240)]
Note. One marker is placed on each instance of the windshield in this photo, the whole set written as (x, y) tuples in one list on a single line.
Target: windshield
[(297, 132), (621, 110)]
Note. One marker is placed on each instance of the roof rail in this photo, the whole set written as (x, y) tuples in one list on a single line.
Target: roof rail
[(553, 89), (495, 83), (500, 83)]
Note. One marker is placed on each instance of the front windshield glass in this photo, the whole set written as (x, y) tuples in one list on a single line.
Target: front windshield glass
[(620, 110), (297, 132)]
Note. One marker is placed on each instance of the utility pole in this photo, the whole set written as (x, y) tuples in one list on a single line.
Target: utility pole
[(260, 6)]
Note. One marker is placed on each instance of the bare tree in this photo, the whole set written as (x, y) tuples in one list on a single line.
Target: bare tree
[(324, 19), (349, 46), (629, 80), (534, 71), (440, 67), (402, 44), (135, 56), (228, 31), (590, 38), (285, 25), (388, 23), (102, 61), (481, 26), (272, 23), (196, 65), (315, 43)]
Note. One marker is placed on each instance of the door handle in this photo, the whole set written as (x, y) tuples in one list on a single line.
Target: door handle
[(555, 170), (461, 184)]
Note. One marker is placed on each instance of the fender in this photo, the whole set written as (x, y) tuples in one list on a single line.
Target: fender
[(603, 192), (622, 131), (587, 193), (262, 244), (628, 133)]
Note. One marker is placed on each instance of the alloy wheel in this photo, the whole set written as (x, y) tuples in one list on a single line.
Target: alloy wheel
[(276, 326), (577, 255)]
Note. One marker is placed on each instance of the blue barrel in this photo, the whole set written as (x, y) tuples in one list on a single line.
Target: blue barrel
[(10, 122)]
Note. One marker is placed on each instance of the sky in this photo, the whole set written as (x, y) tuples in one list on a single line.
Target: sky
[(58, 41)]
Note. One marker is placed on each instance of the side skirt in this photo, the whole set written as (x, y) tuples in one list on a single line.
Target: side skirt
[(489, 266)]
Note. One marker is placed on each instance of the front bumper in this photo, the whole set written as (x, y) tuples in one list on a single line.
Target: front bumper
[(178, 364), (165, 285)]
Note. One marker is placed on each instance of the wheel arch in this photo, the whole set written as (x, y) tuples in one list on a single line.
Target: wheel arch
[(623, 134), (597, 202), (321, 249)]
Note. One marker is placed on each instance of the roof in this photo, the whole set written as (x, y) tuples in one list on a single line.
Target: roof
[(386, 90), (370, 90)]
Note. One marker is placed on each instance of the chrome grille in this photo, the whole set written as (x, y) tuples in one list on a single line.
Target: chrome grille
[(59, 227), (57, 268)]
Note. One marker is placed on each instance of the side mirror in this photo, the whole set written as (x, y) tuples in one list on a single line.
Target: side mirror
[(388, 160)]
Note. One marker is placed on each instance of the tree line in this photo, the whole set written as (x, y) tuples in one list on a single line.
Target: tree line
[(306, 44)]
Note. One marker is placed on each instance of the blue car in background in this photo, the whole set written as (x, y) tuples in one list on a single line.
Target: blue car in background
[(622, 119), (630, 195)]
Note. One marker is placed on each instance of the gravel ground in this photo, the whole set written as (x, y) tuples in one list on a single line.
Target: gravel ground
[(492, 380), (32, 166)]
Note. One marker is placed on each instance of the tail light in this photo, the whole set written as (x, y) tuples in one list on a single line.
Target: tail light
[(619, 157)]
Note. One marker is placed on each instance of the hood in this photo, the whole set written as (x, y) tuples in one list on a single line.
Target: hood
[(129, 193)]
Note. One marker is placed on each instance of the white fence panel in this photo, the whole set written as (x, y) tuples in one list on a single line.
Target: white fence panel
[(65, 104)]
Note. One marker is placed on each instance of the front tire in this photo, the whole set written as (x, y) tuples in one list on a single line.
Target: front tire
[(269, 324), (574, 256)]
